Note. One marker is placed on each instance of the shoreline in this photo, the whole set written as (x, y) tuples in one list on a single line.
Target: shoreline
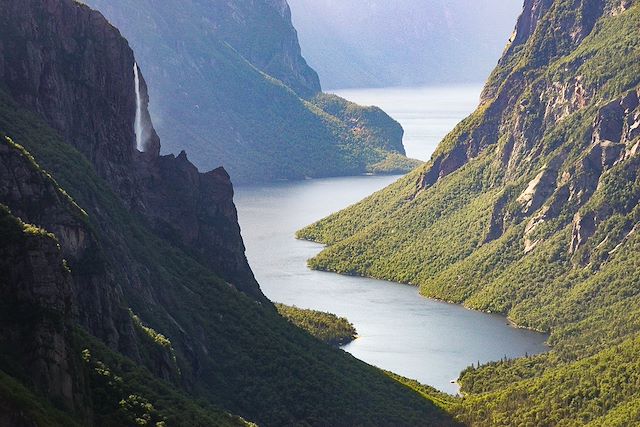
[(504, 315)]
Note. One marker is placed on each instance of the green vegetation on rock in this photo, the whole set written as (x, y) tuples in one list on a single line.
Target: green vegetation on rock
[(327, 327), (529, 208)]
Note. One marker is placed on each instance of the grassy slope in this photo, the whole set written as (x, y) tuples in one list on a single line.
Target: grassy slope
[(256, 364), (436, 238)]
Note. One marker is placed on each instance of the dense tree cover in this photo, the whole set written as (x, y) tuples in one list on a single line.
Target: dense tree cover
[(125, 393), (591, 391), (255, 363), (327, 327), (537, 224)]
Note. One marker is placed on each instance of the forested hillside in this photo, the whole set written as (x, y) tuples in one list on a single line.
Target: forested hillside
[(529, 208), (229, 85)]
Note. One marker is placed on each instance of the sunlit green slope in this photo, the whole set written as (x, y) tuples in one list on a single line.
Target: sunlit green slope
[(529, 208)]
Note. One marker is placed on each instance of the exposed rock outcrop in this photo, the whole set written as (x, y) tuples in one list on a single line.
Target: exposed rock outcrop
[(66, 62), (267, 24), (35, 65), (35, 310), (522, 106), (36, 198), (538, 190)]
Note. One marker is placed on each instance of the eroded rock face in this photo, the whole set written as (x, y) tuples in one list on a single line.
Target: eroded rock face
[(538, 190), (35, 310), (528, 21), (583, 227), (91, 103), (518, 108), (196, 211), (43, 43), (566, 98), (66, 62), (34, 197), (244, 24)]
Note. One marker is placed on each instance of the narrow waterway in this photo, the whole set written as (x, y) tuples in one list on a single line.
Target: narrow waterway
[(426, 340)]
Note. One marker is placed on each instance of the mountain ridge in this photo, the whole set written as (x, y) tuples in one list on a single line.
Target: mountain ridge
[(528, 208)]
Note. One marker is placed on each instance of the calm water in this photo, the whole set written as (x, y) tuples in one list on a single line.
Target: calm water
[(427, 114), (398, 330)]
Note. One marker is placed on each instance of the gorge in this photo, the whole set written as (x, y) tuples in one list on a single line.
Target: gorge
[(128, 296), (398, 330)]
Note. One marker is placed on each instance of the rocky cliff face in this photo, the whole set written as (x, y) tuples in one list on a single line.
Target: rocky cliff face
[(34, 196), (154, 314), (34, 61), (35, 319), (229, 85), (67, 63), (195, 211), (524, 101), (261, 30), (76, 73)]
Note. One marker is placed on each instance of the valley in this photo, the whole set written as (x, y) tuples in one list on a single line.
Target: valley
[(337, 269), (398, 330)]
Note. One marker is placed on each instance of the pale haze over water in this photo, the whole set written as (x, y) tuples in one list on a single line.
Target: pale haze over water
[(427, 114)]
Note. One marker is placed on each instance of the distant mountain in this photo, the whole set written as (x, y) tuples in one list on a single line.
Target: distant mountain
[(229, 85), (530, 207), (378, 43)]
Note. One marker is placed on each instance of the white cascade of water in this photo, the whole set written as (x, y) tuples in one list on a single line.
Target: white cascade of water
[(138, 120)]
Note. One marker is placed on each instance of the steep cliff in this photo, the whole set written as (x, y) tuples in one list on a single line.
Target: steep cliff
[(231, 88), (262, 32), (154, 315), (529, 207), (35, 293), (95, 112)]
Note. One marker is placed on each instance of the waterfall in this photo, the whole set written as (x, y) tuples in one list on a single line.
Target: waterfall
[(138, 120)]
